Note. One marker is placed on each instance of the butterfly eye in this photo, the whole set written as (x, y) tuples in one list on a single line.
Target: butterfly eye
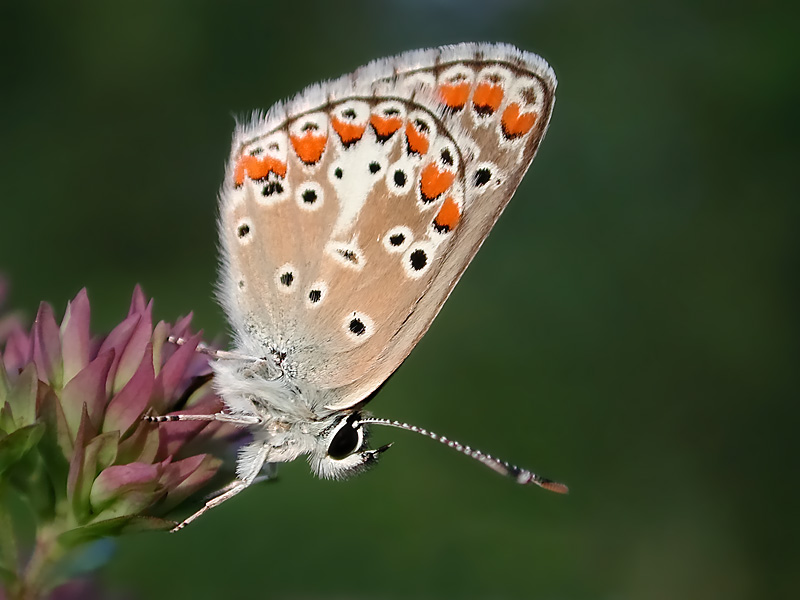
[(347, 438)]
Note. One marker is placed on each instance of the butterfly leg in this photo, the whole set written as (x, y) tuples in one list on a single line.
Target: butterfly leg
[(218, 354), (220, 416), (230, 490), (269, 475)]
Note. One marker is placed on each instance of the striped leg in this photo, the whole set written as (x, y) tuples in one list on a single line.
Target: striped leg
[(230, 490), (270, 474), (220, 416)]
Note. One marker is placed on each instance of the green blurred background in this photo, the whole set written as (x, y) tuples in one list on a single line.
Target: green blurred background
[(629, 328)]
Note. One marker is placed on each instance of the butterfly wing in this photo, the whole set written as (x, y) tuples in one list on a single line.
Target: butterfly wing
[(349, 214)]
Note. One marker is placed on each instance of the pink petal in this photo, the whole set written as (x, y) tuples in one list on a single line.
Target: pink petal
[(117, 340), (117, 477), (200, 365), (88, 388), (162, 349), (129, 404), (18, 352), (186, 477), (95, 344), (175, 435), (138, 301), (172, 377), (75, 335), (125, 489), (47, 347), (175, 472), (181, 327), (135, 348), (205, 401)]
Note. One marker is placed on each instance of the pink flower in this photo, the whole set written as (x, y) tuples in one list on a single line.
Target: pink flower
[(72, 440)]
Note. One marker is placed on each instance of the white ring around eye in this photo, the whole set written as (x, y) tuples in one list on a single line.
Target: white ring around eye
[(244, 231), (358, 327), (418, 258), (316, 294), (286, 278), (397, 239), (348, 421), (309, 196)]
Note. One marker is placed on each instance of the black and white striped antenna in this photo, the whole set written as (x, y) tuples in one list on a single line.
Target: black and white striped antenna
[(521, 476)]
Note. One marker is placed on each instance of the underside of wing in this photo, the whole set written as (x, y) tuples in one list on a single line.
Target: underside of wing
[(349, 213)]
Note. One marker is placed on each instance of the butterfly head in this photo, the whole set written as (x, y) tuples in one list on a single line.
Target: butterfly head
[(342, 450)]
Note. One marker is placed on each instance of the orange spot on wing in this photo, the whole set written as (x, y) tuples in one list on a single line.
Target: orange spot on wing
[(448, 216), (433, 182), (385, 126), (454, 95), (488, 97), (417, 140), (348, 132), (257, 168), (516, 124), (309, 146)]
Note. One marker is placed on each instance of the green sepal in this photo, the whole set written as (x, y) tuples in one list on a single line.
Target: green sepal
[(5, 384), (140, 446), (16, 445), (22, 396), (123, 490), (7, 424), (7, 577), (98, 454), (56, 445), (81, 476), (113, 527), (9, 556)]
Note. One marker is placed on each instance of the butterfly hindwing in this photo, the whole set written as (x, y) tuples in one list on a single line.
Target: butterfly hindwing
[(349, 214)]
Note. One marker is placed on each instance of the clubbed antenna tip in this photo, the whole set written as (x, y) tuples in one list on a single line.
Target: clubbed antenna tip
[(521, 476)]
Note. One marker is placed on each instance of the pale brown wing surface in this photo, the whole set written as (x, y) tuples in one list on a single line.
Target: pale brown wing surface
[(346, 224)]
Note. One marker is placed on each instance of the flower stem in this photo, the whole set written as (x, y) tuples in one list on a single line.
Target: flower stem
[(35, 580)]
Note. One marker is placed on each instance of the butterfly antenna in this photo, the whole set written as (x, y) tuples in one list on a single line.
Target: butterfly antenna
[(522, 476)]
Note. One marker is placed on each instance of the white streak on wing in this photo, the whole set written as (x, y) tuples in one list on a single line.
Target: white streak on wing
[(357, 182)]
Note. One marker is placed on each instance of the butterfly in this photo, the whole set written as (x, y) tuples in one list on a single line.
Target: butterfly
[(346, 217)]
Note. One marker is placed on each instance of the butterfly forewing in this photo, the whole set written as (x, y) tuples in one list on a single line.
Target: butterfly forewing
[(355, 208)]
